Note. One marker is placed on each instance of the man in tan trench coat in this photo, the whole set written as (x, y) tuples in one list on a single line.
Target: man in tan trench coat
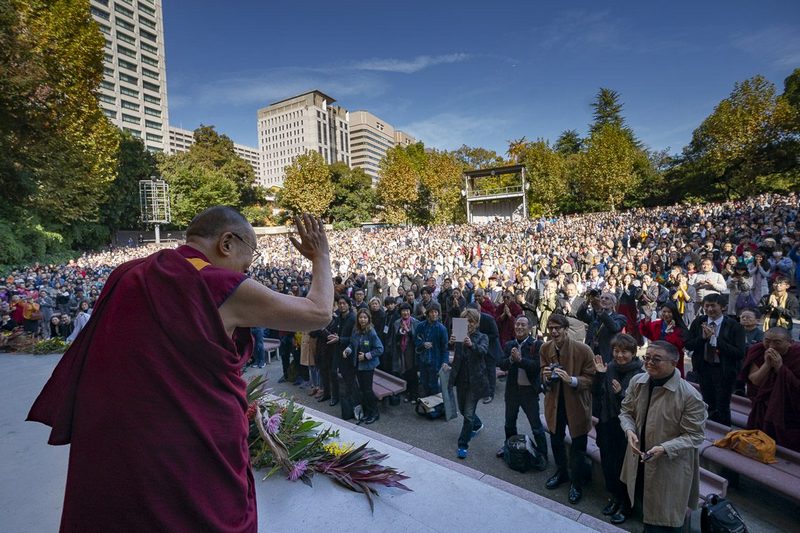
[(567, 402), (664, 418)]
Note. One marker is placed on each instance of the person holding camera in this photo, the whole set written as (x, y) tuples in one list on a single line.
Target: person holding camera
[(567, 368), (663, 417)]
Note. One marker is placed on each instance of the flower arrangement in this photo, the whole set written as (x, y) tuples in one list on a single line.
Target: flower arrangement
[(282, 438)]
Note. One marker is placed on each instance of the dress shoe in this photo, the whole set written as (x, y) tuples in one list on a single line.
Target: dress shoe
[(556, 480), (324, 399), (333, 402), (618, 517), (488, 399), (372, 419), (575, 494), (500, 452), (612, 507)]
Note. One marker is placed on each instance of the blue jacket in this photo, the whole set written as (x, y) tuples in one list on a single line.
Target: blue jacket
[(370, 344), (436, 334)]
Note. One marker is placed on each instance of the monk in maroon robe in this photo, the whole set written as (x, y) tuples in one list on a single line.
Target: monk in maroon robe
[(772, 371), (150, 395)]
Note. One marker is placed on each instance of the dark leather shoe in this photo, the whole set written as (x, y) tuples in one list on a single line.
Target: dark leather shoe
[(556, 480), (372, 419), (333, 402), (611, 508), (575, 494), (618, 517), (501, 452), (324, 399), (488, 399)]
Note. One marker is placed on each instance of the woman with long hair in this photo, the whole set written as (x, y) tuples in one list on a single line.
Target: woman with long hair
[(364, 352)]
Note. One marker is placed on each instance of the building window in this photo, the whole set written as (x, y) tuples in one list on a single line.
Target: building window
[(129, 105), (108, 71), (107, 99), (107, 85), (122, 36), (129, 79), (130, 119), (150, 73), (151, 86), (124, 10), (122, 23), (129, 92), (100, 13), (135, 133), (152, 112), (126, 64), (152, 99), (147, 22), (149, 60), (126, 51), (149, 48), (154, 137), (105, 29), (147, 35), (152, 124), (145, 9)]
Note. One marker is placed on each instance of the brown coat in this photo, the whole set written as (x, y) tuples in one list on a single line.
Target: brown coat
[(578, 361), (676, 421), (308, 350)]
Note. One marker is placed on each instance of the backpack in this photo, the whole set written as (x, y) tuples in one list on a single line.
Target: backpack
[(520, 455), (718, 515)]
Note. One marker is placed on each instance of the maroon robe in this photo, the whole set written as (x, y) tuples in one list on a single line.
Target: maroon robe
[(776, 402), (151, 400), (505, 325)]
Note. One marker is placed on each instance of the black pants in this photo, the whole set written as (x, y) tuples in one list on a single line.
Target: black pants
[(348, 372), (412, 383), (613, 444), (576, 466), (717, 390), (368, 400), (527, 398), (324, 365), (285, 350)]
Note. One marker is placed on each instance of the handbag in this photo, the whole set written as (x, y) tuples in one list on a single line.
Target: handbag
[(718, 515)]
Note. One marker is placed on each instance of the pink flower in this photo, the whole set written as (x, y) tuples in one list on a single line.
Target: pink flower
[(274, 424), (298, 469)]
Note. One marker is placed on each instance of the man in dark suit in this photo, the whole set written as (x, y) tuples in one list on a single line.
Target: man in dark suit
[(339, 339), (718, 346), (571, 305)]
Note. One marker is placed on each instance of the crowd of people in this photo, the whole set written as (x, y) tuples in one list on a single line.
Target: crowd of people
[(561, 305)]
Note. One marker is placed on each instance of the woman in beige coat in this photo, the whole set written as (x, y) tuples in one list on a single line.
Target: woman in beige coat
[(308, 358), (663, 418)]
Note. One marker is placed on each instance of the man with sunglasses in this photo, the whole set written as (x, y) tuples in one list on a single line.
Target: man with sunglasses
[(153, 382), (663, 417)]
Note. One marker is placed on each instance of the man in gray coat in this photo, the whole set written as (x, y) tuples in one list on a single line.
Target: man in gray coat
[(663, 417)]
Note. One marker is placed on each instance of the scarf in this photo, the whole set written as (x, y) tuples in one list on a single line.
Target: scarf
[(780, 321), (405, 323)]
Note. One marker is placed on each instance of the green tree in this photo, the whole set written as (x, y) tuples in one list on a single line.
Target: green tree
[(354, 199), (516, 147), (607, 110), (605, 172), (546, 177), (121, 210), (791, 90), (473, 158), (748, 136), (569, 142), (442, 182), (398, 185), (307, 187)]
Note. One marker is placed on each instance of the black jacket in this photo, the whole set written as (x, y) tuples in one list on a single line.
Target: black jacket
[(469, 366), (730, 346), (530, 364), (343, 327), (488, 326)]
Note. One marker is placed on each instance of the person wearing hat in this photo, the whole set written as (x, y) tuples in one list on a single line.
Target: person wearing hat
[(430, 341)]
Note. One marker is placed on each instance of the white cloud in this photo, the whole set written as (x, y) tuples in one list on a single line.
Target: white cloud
[(780, 45), (448, 131), (409, 66)]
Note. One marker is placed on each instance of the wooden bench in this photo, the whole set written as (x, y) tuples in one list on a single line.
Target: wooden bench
[(710, 482), (271, 346), (385, 385), (783, 477)]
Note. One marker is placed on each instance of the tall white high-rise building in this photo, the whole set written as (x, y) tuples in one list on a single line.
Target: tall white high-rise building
[(133, 93), (180, 140), (370, 138), (296, 125)]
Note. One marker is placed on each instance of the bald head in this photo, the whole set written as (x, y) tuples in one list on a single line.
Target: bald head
[(216, 220)]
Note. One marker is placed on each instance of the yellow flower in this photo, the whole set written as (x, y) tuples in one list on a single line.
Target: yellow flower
[(337, 449)]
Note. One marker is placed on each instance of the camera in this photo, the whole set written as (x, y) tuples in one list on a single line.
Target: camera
[(553, 376)]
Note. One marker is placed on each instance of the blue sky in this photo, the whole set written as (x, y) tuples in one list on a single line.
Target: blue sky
[(474, 72)]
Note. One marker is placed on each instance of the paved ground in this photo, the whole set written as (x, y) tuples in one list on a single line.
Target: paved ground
[(762, 510), (32, 473)]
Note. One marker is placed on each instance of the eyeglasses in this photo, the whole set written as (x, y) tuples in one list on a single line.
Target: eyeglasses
[(653, 360), (256, 253)]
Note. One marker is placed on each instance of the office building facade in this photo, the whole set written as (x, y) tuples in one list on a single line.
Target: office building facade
[(180, 140), (370, 138), (296, 125), (133, 93)]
